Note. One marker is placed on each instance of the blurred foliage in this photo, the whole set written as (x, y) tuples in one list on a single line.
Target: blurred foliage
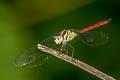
[(24, 23), (29, 11)]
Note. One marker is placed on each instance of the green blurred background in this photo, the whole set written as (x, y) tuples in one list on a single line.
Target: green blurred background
[(24, 23)]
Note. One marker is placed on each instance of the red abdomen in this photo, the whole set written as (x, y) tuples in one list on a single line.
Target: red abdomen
[(96, 25)]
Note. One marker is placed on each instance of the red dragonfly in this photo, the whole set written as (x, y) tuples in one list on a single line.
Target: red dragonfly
[(60, 41)]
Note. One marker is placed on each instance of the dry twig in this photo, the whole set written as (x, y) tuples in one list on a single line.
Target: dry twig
[(76, 62)]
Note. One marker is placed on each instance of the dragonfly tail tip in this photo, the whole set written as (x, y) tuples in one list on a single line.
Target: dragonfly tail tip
[(109, 19)]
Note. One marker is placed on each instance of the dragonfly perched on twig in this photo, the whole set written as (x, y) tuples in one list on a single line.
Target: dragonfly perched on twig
[(59, 41)]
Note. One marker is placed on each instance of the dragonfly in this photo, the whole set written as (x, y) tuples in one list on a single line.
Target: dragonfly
[(34, 57)]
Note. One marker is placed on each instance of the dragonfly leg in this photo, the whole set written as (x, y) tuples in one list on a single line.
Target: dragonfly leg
[(62, 47), (72, 49)]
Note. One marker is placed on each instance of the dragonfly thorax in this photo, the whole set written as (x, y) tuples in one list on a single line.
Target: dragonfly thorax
[(64, 37)]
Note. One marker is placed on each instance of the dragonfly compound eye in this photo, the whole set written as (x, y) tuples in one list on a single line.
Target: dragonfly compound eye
[(57, 39)]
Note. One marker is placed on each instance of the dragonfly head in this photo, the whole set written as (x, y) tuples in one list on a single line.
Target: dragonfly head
[(58, 39)]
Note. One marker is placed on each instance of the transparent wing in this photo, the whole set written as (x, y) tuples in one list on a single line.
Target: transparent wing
[(93, 38), (33, 57)]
